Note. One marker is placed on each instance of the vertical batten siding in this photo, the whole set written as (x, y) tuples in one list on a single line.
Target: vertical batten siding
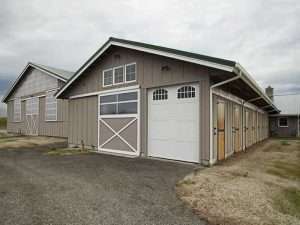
[(204, 121), (83, 121), (249, 138), (15, 127)]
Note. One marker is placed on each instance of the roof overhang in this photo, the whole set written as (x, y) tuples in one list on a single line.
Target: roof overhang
[(231, 67), (30, 65)]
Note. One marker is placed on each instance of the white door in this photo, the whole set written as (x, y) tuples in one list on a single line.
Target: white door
[(32, 116), (173, 123)]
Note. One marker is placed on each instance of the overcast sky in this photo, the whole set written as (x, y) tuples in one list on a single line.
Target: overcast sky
[(264, 36)]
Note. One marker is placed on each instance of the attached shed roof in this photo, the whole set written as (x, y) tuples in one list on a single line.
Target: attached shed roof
[(59, 74), (211, 62)]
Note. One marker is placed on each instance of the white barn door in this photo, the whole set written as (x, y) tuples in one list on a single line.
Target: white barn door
[(173, 123), (32, 116)]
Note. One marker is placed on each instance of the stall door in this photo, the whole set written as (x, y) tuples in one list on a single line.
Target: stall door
[(246, 129), (32, 116), (173, 123), (236, 129), (221, 129)]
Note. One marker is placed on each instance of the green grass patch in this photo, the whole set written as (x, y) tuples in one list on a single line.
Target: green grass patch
[(67, 151), (285, 170), (288, 202), (285, 142), (3, 122), (7, 139), (186, 182)]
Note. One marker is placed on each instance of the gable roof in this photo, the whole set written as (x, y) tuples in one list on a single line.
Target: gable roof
[(212, 62), (59, 74)]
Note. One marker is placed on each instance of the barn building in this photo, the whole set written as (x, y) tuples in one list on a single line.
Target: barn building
[(32, 108), (136, 99)]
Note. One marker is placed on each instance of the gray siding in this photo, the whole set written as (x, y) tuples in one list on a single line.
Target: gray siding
[(149, 75), (36, 83), (290, 131)]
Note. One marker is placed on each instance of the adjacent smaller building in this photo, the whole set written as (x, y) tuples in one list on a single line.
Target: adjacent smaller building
[(32, 108), (285, 124)]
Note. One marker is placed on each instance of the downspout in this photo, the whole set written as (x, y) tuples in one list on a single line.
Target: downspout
[(211, 113)]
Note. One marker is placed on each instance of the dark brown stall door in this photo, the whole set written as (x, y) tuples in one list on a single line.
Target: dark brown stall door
[(236, 129), (221, 130)]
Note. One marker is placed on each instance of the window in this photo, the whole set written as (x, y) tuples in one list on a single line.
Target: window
[(130, 72), (186, 92), (50, 107), (17, 110), (283, 122), (32, 106), (125, 103), (160, 94), (107, 77), (119, 75)]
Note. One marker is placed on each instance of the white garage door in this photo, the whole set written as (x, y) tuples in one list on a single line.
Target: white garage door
[(173, 123)]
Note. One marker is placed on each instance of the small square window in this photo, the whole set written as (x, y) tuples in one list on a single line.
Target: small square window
[(107, 77), (119, 75), (130, 72), (283, 122)]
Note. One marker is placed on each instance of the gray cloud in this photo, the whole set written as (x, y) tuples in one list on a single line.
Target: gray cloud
[(261, 35)]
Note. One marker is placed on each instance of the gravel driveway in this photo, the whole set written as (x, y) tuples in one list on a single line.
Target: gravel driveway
[(36, 188)]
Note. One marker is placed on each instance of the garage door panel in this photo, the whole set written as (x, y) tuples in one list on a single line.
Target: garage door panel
[(173, 126)]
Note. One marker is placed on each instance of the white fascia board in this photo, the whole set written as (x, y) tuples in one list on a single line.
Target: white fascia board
[(148, 50), (251, 82), (22, 73), (114, 90)]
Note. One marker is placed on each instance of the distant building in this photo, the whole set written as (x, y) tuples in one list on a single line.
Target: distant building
[(286, 124)]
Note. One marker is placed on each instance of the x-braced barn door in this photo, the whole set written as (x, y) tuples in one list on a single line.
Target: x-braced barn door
[(221, 130), (32, 116)]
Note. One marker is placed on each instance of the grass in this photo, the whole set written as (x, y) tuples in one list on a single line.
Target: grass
[(67, 151), (7, 139), (288, 202), (261, 186), (3, 122)]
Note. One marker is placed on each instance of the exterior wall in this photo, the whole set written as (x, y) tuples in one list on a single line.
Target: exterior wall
[(149, 75), (36, 83), (250, 132), (83, 121), (290, 131)]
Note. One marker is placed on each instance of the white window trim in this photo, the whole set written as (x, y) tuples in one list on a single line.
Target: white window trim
[(108, 85), (131, 81), (124, 75), (116, 102), (115, 68), (20, 117), (287, 122), (47, 120)]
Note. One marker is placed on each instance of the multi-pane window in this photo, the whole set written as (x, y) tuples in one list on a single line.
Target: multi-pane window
[(32, 106), (160, 94), (107, 77), (50, 107), (283, 122), (186, 92), (17, 110), (125, 103), (130, 72), (119, 75)]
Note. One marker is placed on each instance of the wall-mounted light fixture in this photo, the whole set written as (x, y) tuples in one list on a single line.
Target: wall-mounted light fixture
[(165, 68)]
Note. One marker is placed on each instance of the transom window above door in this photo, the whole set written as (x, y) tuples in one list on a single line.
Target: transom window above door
[(186, 92), (123, 103), (119, 75)]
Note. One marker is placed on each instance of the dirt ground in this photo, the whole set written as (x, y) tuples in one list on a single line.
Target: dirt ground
[(13, 141), (261, 186)]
